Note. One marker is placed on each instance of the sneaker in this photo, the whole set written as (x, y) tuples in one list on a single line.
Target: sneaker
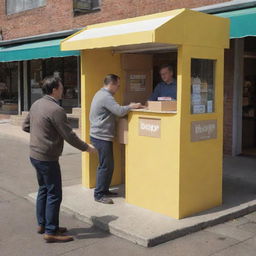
[(104, 200)]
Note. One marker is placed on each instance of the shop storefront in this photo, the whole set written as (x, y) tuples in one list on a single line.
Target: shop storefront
[(22, 68), (240, 83), (67, 68), (163, 146), (9, 90)]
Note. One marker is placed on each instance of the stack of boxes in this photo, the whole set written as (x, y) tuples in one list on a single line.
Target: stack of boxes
[(200, 102)]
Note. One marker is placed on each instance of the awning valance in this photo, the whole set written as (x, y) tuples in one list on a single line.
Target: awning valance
[(175, 27), (36, 50), (243, 22)]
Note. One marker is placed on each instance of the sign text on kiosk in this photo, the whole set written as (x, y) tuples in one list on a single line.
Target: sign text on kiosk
[(150, 127), (203, 130)]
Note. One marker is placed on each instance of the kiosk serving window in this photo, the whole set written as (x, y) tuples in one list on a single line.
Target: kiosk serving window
[(202, 86)]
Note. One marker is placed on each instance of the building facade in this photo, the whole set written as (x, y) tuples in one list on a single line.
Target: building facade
[(57, 15), (25, 24)]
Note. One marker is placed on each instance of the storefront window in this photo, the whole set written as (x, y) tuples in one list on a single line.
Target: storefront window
[(36, 76), (9, 88), (202, 86), (70, 80), (66, 69)]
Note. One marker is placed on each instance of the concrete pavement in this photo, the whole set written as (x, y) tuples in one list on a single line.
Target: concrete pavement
[(17, 218)]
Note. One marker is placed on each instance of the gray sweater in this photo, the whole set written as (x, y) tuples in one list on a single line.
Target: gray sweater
[(104, 110), (48, 126)]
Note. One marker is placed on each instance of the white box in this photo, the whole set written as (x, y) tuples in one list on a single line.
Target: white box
[(196, 88), (198, 109), (196, 98), (209, 106)]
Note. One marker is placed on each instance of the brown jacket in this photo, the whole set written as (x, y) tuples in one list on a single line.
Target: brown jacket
[(48, 126)]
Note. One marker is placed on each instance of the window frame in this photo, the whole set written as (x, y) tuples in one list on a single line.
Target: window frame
[(83, 11), (23, 10), (214, 67)]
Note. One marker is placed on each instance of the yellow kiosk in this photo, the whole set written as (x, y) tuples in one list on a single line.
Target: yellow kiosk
[(173, 159)]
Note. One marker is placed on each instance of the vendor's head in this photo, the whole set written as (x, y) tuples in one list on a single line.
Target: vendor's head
[(52, 86), (112, 83), (166, 73)]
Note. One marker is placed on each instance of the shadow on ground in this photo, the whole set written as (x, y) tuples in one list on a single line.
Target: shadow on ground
[(239, 183)]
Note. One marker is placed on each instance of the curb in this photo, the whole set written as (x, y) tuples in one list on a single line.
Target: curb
[(152, 241)]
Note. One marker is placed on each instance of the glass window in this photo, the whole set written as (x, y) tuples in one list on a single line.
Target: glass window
[(15, 6), (53, 66), (36, 76), (9, 88), (70, 81), (85, 6), (66, 69), (202, 86)]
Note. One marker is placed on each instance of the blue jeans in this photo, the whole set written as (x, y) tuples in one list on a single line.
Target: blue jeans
[(105, 168), (49, 194)]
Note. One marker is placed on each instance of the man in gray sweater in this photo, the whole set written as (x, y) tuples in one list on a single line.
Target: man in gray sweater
[(48, 127), (103, 113)]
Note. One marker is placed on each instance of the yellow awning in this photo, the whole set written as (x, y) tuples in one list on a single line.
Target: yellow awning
[(175, 27)]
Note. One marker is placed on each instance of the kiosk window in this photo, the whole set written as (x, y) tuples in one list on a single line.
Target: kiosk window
[(202, 86)]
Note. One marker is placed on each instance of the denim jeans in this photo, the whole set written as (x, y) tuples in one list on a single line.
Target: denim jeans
[(105, 168), (49, 194)]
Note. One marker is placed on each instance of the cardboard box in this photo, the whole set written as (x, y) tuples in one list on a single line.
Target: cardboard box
[(122, 131), (168, 105)]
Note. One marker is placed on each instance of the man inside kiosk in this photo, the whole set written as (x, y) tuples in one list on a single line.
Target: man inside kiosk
[(167, 89)]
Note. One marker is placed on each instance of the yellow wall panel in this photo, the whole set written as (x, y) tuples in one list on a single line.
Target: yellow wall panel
[(95, 66)]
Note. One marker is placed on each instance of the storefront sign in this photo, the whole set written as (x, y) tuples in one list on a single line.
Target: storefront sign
[(203, 130), (150, 127)]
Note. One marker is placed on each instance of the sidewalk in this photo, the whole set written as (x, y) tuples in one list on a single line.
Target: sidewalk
[(148, 228)]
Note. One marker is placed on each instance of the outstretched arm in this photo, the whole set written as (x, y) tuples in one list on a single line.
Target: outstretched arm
[(62, 125), (115, 108)]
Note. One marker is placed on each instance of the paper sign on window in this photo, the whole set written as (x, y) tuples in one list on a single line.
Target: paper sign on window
[(137, 83)]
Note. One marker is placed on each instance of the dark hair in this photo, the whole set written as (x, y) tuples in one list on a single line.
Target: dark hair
[(49, 83), (166, 66), (111, 78)]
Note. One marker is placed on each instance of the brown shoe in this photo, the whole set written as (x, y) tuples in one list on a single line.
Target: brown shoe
[(57, 238), (41, 230)]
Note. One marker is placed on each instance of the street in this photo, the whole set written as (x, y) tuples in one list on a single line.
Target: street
[(18, 235)]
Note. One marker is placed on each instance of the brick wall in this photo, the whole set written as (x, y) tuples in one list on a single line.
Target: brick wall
[(58, 15), (228, 99)]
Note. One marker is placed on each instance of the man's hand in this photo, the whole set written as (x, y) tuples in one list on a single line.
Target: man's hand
[(91, 149), (135, 105)]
